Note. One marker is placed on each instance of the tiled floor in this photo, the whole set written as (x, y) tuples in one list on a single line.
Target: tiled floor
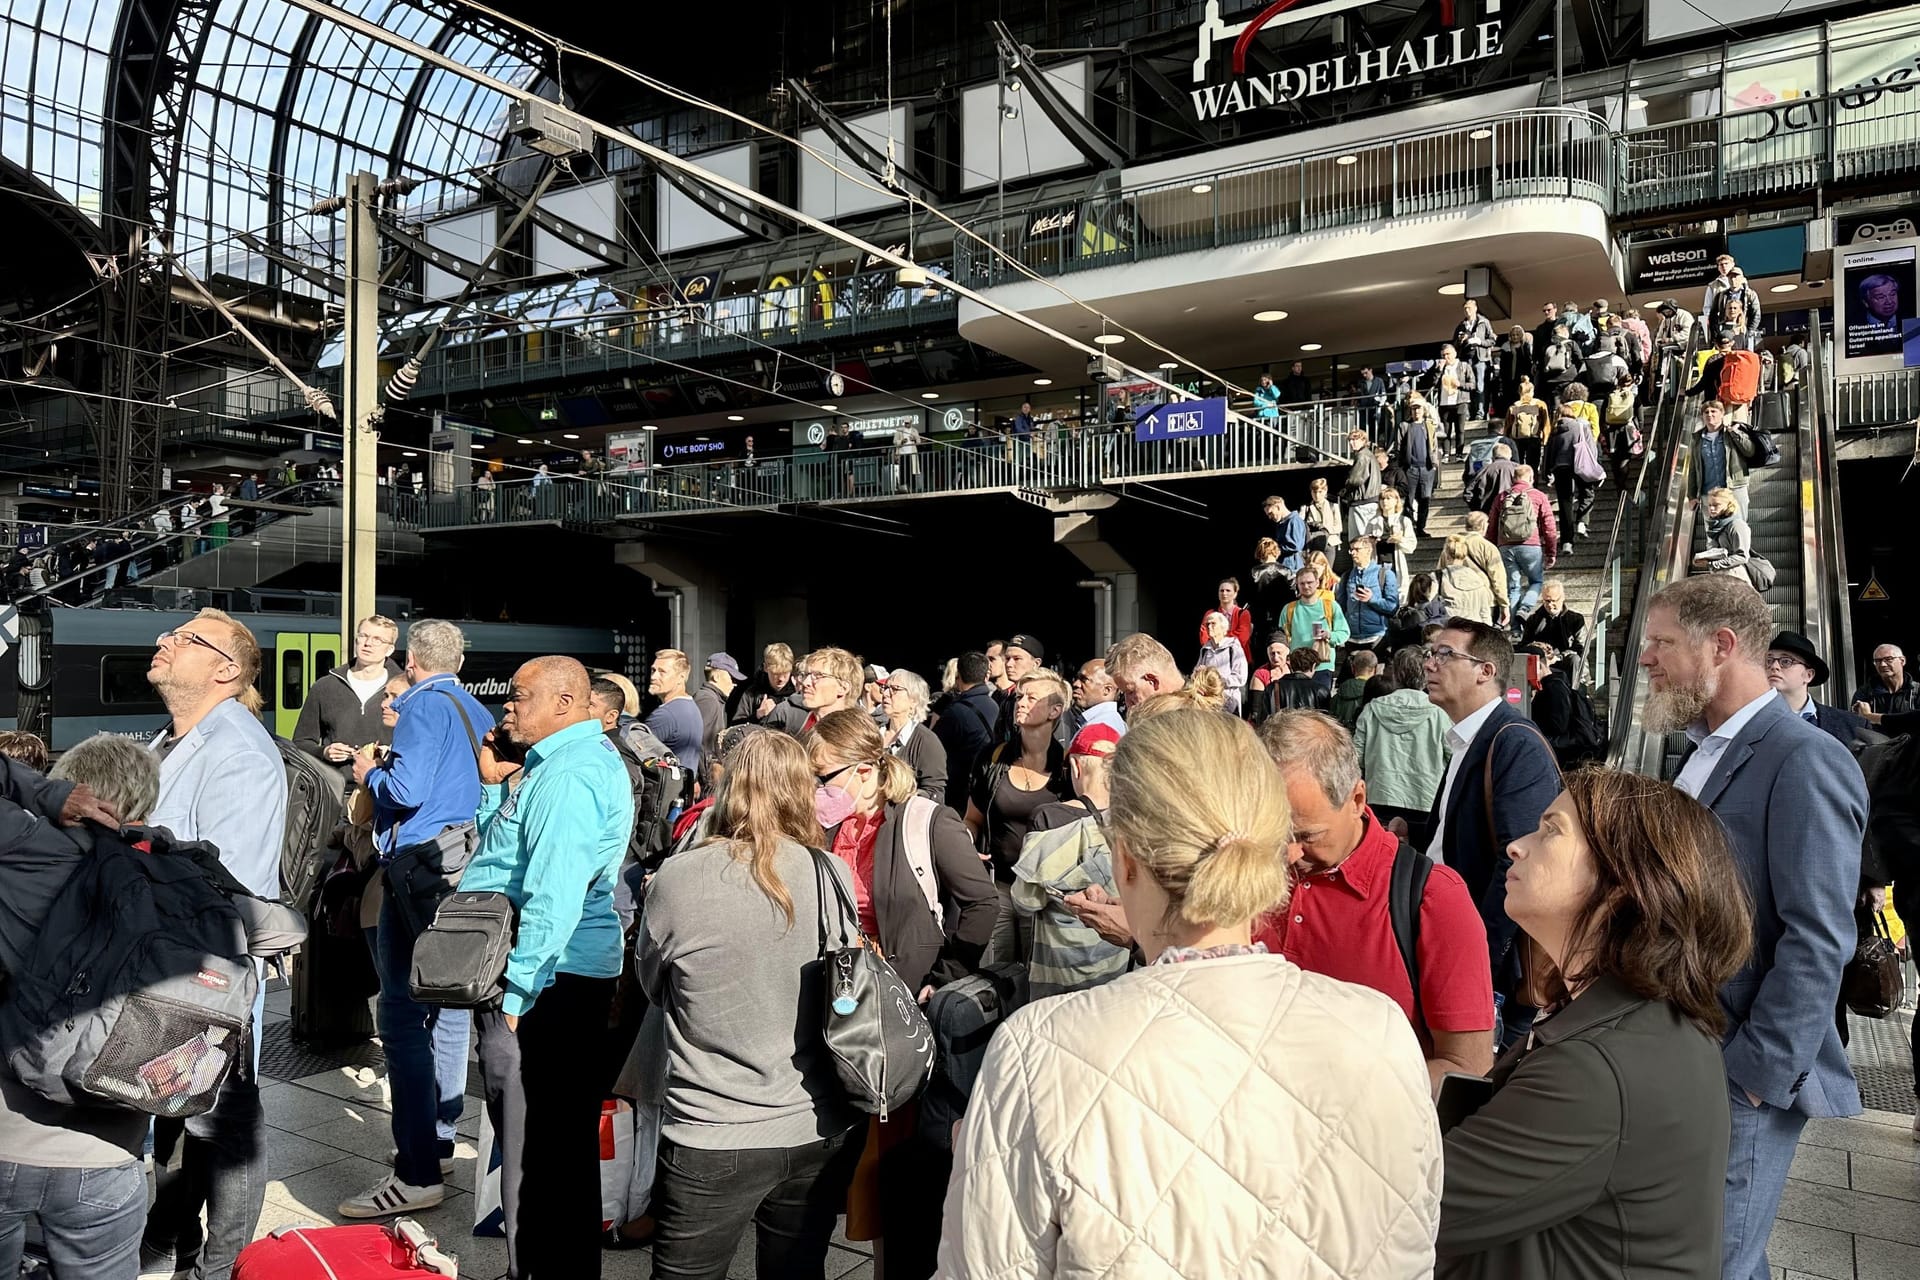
[(329, 1137), (1851, 1210)]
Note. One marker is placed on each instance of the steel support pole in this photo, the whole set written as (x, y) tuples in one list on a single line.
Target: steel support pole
[(360, 421)]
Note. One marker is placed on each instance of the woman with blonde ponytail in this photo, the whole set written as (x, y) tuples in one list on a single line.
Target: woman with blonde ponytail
[(1217, 1111)]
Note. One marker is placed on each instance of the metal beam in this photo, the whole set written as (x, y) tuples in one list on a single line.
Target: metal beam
[(313, 275), (451, 263), (891, 172), (607, 249), (711, 198), (1087, 140)]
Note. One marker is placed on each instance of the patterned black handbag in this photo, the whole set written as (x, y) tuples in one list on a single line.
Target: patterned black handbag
[(876, 1034)]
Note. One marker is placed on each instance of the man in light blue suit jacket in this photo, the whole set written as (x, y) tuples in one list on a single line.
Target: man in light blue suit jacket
[(1794, 806), (222, 781)]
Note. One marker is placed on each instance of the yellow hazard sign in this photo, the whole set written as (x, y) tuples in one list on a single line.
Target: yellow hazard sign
[(1873, 590)]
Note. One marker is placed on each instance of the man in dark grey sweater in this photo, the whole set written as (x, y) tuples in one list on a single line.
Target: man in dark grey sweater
[(342, 714)]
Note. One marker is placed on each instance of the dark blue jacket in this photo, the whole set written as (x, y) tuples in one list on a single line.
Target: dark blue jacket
[(1525, 781), (1843, 726), (1290, 531), (965, 729), (1367, 619)]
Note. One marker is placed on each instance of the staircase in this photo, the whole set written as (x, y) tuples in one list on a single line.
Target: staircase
[(1773, 519), (263, 555)]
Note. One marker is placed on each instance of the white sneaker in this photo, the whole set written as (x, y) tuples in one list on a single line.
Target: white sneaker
[(391, 1196)]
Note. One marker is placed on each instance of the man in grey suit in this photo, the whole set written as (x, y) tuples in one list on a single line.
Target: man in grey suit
[(1794, 805)]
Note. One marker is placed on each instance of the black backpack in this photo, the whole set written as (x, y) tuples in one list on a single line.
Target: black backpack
[(661, 787), (1405, 892), (315, 809), (139, 990), (1586, 742)]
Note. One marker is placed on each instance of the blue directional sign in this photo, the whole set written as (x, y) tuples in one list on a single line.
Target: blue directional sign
[(1185, 420)]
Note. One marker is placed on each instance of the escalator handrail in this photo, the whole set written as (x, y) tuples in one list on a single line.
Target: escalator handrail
[(1668, 548), (1828, 601), (1665, 413)]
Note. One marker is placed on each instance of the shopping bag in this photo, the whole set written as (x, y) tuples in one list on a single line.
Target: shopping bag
[(629, 1150), (489, 1215)]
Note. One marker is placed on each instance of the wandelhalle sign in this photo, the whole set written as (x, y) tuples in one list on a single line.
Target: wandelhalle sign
[(1184, 420), (1225, 88)]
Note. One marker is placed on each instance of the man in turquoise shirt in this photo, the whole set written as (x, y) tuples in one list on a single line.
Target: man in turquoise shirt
[(553, 833)]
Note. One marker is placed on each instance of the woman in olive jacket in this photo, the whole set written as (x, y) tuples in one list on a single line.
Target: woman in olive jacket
[(1603, 1150)]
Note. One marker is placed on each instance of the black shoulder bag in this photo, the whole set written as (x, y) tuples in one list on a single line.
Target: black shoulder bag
[(423, 875), (876, 1034)]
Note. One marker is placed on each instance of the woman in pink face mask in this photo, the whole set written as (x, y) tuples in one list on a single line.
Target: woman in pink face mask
[(866, 800)]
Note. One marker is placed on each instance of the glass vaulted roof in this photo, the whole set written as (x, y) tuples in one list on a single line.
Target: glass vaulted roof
[(283, 106)]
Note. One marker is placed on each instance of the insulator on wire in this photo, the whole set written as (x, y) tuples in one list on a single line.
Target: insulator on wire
[(401, 384), (321, 403)]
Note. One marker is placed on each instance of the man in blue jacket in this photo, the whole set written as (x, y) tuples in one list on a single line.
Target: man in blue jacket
[(1368, 595), (966, 727), (1794, 806), (553, 834), (1289, 531), (427, 785)]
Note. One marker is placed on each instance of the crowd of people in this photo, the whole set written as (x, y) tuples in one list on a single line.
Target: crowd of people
[(1476, 1012)]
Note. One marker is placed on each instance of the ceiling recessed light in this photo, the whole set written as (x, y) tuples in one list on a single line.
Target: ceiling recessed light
[(1481, 135), (1268, 317), (409, 454), (1169, 364), (1636, 104), (829, 408), (569, 436), (1347, 159), (649, 427), (1189, 311), (1309, 346), (734, 417), (1455, 289), (1201, 188), (1343, 366), (525, 441), (1783, 288), (1110, 339), (701, 438), (929, 395), (476, 446), (1043, 382)]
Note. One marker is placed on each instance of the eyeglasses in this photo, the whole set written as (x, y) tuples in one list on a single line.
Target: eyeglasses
[(189, 638), (808, 677), (1782, 660), (822, 779), (1443, 653)]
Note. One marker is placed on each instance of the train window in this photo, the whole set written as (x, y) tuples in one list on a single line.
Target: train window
[(293, 684), (123, 679), (324, 660)]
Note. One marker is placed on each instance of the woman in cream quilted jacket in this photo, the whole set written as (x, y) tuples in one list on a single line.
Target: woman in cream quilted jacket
[(1218, 1113)]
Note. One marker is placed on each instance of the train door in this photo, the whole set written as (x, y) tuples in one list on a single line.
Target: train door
[(299, 659)]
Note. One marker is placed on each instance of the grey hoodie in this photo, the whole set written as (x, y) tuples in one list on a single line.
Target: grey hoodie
[(1402, 742)]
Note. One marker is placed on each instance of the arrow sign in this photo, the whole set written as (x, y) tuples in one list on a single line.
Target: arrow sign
[(1186, 420)]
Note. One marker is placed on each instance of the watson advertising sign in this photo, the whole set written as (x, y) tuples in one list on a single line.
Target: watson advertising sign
[(1655, 265)]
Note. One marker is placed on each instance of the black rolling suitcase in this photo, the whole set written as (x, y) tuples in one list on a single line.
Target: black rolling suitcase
[(333, 975)]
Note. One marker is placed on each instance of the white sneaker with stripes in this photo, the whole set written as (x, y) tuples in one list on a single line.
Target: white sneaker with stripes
[(390, 1196)]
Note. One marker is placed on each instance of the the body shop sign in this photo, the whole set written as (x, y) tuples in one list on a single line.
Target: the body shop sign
[(1225, 87)]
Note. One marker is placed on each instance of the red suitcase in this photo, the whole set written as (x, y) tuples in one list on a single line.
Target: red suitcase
[(372, 1252)]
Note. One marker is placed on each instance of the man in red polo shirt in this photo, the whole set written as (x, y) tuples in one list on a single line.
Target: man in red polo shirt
[(1338, 920)]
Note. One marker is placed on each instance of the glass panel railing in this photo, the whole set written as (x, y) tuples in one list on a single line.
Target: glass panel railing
[(1829, 601), (1667, 545)]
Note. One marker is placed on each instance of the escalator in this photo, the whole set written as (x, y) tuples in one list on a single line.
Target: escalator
[(1793, 513)]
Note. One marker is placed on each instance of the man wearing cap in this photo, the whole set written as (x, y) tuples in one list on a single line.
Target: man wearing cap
[(1025, 655), (716, 699), (1794, 669), (873, 693)]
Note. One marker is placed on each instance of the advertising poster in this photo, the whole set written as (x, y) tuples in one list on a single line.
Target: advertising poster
[(1879, 286)]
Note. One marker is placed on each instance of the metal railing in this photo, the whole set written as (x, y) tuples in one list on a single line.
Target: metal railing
[(1562, 153), (1052, 460), (1861, 400), (1787, 148), (1828, 602)]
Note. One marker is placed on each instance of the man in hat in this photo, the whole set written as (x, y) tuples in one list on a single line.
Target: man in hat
[(1024, 655), (1794, 669), (1676, 324), (717, 699)]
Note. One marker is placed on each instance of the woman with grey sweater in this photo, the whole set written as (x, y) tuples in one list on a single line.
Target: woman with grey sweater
[(756, 1128)]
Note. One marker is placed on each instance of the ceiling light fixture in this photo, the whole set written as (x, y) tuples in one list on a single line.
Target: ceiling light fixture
[(929, 395), (649, 427), (409, 454), (1309, 346), (734, 417), (1636, 104), (1347, 159), (1455, 289), (1169, 364), (524, 440), (1268, 317), (1783, 288), (1201, 188), (829, 408), (1481, 135), (1110, 339), (1043, 382), (569, 436), (476, 446)]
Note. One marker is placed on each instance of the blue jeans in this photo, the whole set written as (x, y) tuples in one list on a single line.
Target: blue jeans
[(1526, 570), (426, 1049), (1759, 1156), (91, 1218)]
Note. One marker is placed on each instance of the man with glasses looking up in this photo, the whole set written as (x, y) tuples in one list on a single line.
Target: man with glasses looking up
[(221, 781), (1493, 745), (829, 680)]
